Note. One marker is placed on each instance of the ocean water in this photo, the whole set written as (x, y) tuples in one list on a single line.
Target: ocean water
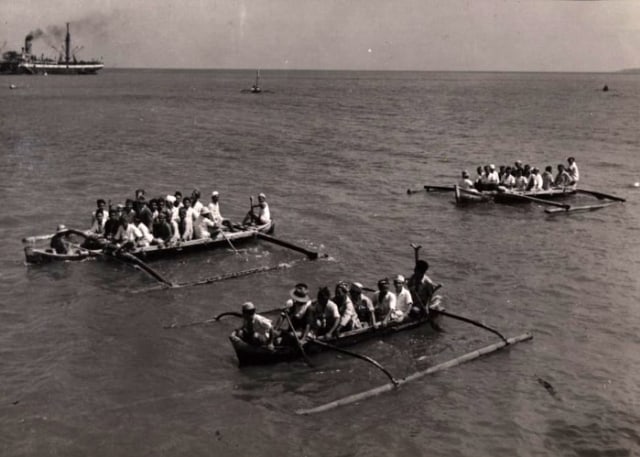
[(86, 367)]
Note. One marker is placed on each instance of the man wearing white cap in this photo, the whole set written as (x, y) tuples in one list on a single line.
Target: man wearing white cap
[(493, 177), (203, 223), (404, 301), (214, 207), (263, 216)]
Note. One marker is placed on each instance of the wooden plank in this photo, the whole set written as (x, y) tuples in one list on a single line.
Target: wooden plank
[(578, 208), (390, 386)]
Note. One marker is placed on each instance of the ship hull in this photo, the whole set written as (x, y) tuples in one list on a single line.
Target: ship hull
[(60, 68)]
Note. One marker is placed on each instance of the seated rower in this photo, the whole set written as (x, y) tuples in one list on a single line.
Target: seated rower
[(296, 308), (362, 304), (256, 330), (563, 178), (465, 182), (384, 302), (420, 285), (128, 235), (203, 224), (324, 316), (348, 316), (60, 243), (547, 178), (263, 216)]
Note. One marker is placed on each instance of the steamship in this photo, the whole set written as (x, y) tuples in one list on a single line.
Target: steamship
[(27, 63)]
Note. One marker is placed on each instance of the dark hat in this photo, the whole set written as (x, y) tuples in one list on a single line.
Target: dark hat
[(300, 293), (248, 308)]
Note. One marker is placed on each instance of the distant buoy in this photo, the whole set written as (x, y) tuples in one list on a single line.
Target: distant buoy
[(12, 86), (605, 88), (636, 184)]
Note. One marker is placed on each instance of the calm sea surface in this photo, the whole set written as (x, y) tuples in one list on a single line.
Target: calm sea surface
[(86, 368)]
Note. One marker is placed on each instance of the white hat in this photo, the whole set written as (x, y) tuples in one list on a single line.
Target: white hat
[(170, 198), (214, 193), (492, 166), (248, 307), (399, 278), (61, 228), (262, 195)]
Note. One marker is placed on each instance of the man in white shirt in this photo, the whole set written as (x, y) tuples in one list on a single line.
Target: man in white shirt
[(535, 180), (404, 301), (573, 170), (203, 224), (263, 216), (465, 182), (128, 234), (214, 208), (384, 302)]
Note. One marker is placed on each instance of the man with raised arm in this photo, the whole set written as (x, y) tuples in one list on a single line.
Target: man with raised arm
[(420, 285)]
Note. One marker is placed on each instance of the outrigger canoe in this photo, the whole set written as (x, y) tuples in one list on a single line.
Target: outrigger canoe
[(36, 255), (259, 355), (465, 196)]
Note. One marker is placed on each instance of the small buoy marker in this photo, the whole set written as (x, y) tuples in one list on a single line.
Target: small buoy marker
[(636, 184)]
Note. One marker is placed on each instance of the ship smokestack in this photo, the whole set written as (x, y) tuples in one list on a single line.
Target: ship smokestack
[(67, 44), (27, 44)]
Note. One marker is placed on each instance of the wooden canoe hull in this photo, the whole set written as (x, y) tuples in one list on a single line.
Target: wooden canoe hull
[(35, 255), (258, 355), (465, 196)]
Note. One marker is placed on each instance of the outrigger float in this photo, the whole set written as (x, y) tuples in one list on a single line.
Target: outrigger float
[(465, 197)]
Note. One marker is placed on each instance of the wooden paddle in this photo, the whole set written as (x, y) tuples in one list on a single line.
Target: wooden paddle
[(310, 254), (228, 240), (356, 355), (298, 342), (600, 195)]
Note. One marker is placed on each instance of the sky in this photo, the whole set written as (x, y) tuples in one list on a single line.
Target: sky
[(428, 35)]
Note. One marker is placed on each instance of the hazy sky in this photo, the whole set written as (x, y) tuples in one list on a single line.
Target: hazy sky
[(507, 35)]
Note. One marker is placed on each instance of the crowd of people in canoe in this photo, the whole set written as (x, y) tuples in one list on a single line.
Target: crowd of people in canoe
[(522, 177), (162, 221), (348, 309)]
